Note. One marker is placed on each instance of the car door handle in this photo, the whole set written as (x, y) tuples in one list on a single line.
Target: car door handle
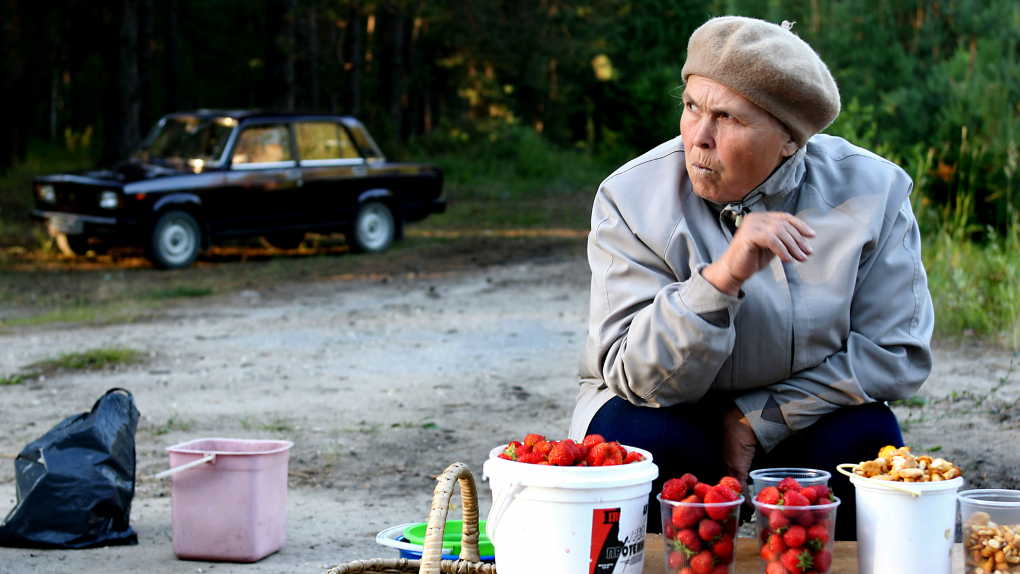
[(358, 170)]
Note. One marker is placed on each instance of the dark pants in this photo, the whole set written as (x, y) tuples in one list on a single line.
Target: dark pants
[(687, 438)]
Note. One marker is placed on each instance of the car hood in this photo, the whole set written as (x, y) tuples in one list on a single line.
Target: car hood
[(120, 174)]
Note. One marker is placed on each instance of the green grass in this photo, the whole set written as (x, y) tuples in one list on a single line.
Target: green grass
[(178, 293), (175, 423), (274, 424), (92, 360)]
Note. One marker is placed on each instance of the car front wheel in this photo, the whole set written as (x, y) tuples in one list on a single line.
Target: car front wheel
[(175, 242), (374, 228)]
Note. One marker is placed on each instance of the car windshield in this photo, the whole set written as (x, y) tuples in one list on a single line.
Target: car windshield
[(188, 138)]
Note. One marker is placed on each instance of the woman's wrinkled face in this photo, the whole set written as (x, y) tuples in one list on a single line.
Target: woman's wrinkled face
[(731, 145)]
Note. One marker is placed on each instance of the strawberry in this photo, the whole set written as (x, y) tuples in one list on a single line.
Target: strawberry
[(732, 483), (817, 536), (669, 532), (531, 458), (524, 449), (768, 495), (531, 439), (685, 515), (675, 560), (582, 453), (603, 455), (778, 521), (709, 530), (504, 456), (795, 536), (793, 499), (542, 447), (562, 454), (775, 568), (775, 545), (723, 548), (720, 494), (721, 569), (767, 555), (619, 448), (592, 440), (796, 560), (511, 449), (633, 456), (806, 520), (702, 562), (822, 561), (687, 541), (824, 493), (690, 480), (787, 484), (810, 494), (674, 489), (701, 489)]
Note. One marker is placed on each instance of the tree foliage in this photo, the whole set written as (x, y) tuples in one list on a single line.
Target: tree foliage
[(915, 75)]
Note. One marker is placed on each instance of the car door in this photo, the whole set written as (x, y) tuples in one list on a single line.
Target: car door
[(332, 168), (263, 183)]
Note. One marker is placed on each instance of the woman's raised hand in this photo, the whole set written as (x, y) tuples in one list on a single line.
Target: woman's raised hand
[(760, 237)]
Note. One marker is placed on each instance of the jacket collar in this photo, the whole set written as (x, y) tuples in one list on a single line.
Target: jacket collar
[(770, 192)]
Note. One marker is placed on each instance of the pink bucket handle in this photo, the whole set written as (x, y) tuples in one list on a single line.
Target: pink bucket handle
[(211, 457)]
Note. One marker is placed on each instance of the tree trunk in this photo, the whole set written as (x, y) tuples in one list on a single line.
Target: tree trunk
[(120, 118), (357, 59), (313, 56), (8, 63), (172, 65), (280, 79), (145, 115), (396, 83)]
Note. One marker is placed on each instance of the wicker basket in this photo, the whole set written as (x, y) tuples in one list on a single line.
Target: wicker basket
[(431, 559)]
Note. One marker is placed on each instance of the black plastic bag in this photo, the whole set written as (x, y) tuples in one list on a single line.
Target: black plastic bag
[(76, 483)]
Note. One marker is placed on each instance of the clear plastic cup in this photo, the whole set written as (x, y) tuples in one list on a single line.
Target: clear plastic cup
[(697, 533), (810, 528), (772, 476), (985, 515)]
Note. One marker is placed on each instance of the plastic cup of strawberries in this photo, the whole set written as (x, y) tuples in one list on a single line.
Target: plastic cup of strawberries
[(699, 525), (796, 525)]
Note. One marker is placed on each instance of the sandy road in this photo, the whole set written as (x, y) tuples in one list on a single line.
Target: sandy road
[(380, 384)]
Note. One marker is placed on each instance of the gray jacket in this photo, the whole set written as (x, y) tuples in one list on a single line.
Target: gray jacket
[(850, 325)]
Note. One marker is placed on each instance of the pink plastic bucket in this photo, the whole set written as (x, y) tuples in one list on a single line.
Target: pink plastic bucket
[(234, 506)]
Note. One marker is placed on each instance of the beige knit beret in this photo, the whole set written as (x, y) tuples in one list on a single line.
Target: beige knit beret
[(769, 65)]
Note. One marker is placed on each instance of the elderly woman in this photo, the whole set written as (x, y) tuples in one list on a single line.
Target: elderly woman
[(757, 289)]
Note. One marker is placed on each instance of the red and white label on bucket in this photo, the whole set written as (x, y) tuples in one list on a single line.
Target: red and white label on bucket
[(617, 541)]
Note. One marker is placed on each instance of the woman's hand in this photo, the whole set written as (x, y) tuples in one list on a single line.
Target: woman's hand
[(760, 237), (738, 444)]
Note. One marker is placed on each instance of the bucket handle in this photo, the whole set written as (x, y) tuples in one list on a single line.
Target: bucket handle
[(211, 457), (886, 483), (500, 506)]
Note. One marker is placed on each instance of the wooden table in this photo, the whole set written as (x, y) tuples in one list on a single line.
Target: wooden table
[(844, 557)]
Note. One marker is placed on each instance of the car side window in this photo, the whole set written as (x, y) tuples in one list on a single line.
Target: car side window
[(263, 144), (324, 141)]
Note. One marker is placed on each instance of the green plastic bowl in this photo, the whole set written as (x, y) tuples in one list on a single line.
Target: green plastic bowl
[(451, 537)]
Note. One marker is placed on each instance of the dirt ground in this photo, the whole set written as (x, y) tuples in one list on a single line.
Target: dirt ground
[(382, 376)]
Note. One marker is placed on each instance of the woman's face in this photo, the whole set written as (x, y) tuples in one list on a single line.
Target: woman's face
[(731, 145)]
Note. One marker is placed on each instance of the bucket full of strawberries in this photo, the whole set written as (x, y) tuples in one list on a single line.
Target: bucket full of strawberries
[(796, 526)]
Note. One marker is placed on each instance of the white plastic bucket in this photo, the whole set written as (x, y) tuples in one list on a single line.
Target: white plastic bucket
[(570, 519), (898, 532)]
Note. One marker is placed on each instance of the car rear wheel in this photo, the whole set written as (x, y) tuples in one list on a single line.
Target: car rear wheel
[(175, 242), (284, 239), (374, 228)]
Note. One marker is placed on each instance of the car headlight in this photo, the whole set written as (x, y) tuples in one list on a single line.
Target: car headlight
[(109, 200), (46, 194)]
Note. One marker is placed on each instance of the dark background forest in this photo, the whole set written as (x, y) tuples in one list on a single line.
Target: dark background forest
[(527, 102)]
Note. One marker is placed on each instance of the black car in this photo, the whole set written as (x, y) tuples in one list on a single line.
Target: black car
[(201, 177)]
